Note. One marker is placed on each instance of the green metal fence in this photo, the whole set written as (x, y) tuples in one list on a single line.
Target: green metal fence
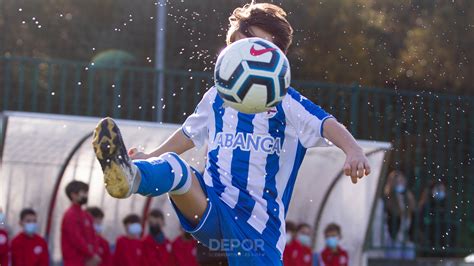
[(432, 134)]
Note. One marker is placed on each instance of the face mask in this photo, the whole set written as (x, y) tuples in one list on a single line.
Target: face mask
[(305, 240), (82, 201), (288, 238), (98, 228), (332, 241), (439, 195), (2, 218), (135, 229), (30, 228), (399, 189), (155, 229)]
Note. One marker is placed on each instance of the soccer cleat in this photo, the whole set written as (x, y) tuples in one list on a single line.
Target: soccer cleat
[(120, 174)]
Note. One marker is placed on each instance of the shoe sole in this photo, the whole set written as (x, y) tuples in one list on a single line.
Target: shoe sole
[(107, 142)]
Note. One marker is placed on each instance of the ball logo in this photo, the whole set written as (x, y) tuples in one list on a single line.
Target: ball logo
[(256, 52)]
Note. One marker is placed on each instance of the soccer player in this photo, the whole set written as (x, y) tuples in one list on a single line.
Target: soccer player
[(104, 247), (129, 247), (239, 204), (333, 254), (4, 245), (28, 248), (79, 243), (158, 249)]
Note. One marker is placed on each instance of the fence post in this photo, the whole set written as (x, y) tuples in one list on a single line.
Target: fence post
[(355, 97)]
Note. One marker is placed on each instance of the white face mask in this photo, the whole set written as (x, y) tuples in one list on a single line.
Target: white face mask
[(2, 218), (98, 228), (288, 238)]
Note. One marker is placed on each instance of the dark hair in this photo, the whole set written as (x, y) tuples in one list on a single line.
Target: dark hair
[(156, 213), (332, 227), (25, 212), (268, 17), (75, 187), (96, 212), (131, 219), (290, 226), (301, 226)]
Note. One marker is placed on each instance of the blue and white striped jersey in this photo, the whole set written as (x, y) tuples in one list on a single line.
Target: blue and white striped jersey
[(253, 159)]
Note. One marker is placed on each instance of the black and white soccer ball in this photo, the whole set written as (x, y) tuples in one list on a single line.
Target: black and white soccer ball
[(252, 75)]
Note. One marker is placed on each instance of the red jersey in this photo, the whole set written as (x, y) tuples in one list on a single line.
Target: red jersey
[(336, 257), (158, 253), (184, 251), (104, 251), (296, 254), (78, 237), (129, 252), (29, 250), (3, 247)]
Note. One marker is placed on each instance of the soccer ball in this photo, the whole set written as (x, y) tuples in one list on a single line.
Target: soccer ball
[(252, 75)]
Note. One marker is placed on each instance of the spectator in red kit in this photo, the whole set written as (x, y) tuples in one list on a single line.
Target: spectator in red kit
[(298, 251), (4, 248), (104, 247), (185, 250), (28, 248), (290, 243), (79, 243), (158, 249), (129, 247), (333, 254)]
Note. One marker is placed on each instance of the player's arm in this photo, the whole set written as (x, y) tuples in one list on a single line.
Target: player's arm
[(192, 133), (356, 164)]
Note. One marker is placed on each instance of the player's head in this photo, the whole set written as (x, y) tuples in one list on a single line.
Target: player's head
[(290, 231), (156, 221), (29, 221), (133, 225), (77, 191), (98, 216), (332, 234), (303, 233), (262, 20)]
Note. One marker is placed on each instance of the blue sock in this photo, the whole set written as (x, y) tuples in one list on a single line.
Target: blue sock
[(160, 175)]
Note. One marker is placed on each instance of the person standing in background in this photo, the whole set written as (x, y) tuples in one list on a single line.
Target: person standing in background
[(185, 249), (290, 242), (79, 243), (158, 249), (400, 207), (299, 250), (129, 247), (104, 247), (333, 254), (28, 248)]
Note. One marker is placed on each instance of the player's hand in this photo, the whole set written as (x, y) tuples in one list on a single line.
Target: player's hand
[(356, 165), (137, 155)]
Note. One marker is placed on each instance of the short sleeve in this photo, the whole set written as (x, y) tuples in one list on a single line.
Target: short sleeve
[(196, 125), (306, 117)]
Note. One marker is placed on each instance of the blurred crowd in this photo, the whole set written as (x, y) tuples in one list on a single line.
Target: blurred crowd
[(404, 214), (82, 242)]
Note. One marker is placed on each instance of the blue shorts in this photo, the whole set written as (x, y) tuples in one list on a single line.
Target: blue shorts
[(220, 230)]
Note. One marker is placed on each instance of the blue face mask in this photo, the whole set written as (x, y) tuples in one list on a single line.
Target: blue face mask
[(305, 240), (399, 189), (135, 229), (439, 195), (98, 228), (332, 241), (2, 218), (30, 228)]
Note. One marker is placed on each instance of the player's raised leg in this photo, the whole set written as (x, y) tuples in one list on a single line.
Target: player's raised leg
[(155, 176)]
